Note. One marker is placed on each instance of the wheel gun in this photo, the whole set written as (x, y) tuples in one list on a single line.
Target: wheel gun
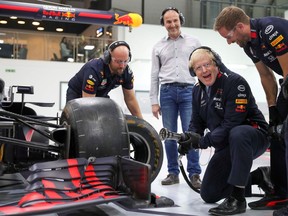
[(165, 134)]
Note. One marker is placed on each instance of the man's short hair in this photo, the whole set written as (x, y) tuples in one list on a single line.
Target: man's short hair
[(229, 17)]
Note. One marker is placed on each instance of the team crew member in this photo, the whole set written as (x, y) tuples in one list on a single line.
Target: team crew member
[(265, 41), (224, 106), (170, 70), (99, 76)]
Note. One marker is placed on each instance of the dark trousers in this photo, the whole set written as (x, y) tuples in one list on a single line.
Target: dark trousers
[(231, 165), (278, 158)]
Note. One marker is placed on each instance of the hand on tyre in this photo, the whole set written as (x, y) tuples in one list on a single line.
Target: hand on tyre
[(284, 87), (188, 140)]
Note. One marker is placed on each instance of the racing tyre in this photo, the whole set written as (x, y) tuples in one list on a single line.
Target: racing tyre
[(145, 144), (98, 128)]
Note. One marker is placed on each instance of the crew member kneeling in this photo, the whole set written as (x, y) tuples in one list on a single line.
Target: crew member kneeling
[(223, 104)]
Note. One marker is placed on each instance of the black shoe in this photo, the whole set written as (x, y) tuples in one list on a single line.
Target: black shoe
[(229, 206), (269, 203), (170, 179), (266, 184), (281, 212)]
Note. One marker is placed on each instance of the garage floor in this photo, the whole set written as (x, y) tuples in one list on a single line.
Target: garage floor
[(187, 202)]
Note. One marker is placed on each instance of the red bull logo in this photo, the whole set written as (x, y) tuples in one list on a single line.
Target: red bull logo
[(240, 108), (51, 13), (280, 47), (131, 19), (68, 14), (58, 15)]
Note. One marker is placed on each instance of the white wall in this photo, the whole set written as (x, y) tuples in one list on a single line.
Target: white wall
[(46, 76)]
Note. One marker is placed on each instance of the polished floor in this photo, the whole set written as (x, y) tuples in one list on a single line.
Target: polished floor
[(187, 202)]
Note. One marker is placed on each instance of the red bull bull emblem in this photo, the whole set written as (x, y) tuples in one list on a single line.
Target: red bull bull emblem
[(130, 19)]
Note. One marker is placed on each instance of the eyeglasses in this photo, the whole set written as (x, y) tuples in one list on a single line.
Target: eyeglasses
[(200, 68), (118, 61), (231, 33)]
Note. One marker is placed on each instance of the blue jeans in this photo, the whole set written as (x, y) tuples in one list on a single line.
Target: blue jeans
[(176, 101)]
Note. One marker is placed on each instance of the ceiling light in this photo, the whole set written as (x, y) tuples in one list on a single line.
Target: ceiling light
[(3, 22), (13, 17), (35, 23), (99, 32), (21, 22), (59, 29), (89, 47), (40, 28)]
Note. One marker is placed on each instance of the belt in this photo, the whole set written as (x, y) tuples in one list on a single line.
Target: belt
[(177, 84)]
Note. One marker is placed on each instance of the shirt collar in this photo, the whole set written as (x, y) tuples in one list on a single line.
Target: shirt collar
[(254, 32), (180, 36)]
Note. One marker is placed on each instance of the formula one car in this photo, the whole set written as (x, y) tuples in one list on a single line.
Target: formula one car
[(92, 154)]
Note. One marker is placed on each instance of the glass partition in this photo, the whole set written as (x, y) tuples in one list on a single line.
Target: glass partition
[(50, 47)]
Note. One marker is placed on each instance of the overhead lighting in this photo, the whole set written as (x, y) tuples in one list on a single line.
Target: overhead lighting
[(3, 22), (21, 22), (109, 31), (59, 29), (1, 41), (13, 17), (89, 47), (99, 32), (35, 23), (40, 28)]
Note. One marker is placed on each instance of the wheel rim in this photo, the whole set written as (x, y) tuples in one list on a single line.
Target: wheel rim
[(139, 148)]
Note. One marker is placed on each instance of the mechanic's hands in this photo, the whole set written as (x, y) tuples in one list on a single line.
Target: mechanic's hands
[(274, 122), (284, 87), (188, 140)]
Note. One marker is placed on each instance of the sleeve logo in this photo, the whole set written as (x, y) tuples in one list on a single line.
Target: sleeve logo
[(277, 40)]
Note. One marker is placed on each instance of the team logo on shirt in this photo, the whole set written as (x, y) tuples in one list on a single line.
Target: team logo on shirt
[(91, 77), (241, 88), (218, 106), (241, 95), (269, 29), (90, 85), (241, 101), (280, 47), (267, 53), (104, 82), (273, 35), (240, 108), (277, 40)]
